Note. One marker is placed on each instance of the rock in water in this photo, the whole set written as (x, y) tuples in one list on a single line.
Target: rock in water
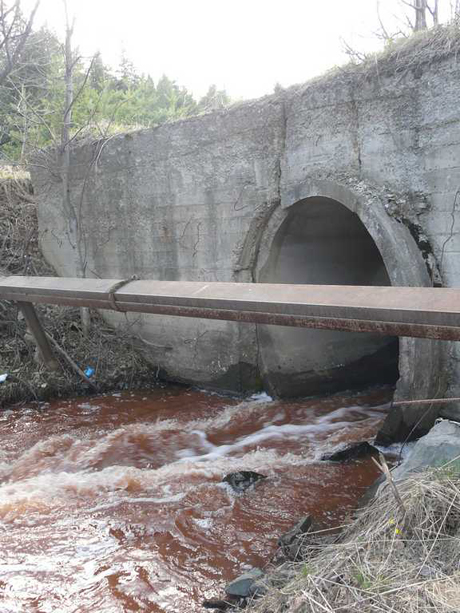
[(243, 586), (219, 605), (242, 480), (351, 452), (290, 542), (301, 528)]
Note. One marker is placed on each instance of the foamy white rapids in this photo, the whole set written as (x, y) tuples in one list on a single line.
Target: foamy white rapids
[(67, 470), (263, 435), (168, 483), (169, 441), (261, 397)]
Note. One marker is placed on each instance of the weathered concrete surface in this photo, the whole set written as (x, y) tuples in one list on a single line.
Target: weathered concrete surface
[(450, 411), (176, 203), (349, 179)]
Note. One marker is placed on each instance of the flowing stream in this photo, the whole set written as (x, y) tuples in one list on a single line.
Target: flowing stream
[(116, 503)]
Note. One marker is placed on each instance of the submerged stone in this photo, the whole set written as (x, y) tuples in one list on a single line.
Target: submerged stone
[(242, 480)]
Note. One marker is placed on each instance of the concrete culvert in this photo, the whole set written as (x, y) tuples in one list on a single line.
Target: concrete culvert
[(322, 242)]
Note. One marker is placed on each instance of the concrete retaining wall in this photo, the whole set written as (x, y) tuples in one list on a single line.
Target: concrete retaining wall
[(210, 198)]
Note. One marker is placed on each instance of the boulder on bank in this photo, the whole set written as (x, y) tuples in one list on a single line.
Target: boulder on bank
[(439, 447), (351, 452), (242, 480)]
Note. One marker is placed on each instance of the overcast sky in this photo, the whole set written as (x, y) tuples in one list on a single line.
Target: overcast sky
[(244, 46)]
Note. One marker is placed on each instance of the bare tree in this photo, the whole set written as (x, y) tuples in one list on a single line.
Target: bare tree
[(421, 9), (14, 32), (71, 211), (422, 15), (66, 126), (434, 11), (57, 158)]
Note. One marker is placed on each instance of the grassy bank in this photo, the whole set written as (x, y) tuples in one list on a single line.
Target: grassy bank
[(114, 357), (393, 558)]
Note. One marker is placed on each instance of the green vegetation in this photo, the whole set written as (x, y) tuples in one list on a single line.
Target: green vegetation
[(32, 99)]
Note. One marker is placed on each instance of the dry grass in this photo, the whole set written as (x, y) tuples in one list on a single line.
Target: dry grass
[(115, 357), (14, 173), (19, 249), (420, 48), (385, 561), (399, 58)]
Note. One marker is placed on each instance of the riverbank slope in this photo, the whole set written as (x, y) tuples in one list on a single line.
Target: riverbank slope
[(113, 357), (400, 554)]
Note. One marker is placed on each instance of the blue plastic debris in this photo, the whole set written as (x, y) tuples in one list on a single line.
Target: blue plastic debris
[(89, 372)]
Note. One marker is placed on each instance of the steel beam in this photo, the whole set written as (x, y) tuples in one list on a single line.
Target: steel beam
[(41, 340), (399, 311)]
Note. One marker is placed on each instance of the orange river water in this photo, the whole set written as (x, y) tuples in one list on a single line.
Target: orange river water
[(115, 503)]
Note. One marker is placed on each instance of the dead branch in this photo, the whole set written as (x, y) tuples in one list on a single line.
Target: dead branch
[(72, 364), (388, 476), (12, 42)]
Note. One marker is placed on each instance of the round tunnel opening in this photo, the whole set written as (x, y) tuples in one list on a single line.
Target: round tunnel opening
[(322, 242)]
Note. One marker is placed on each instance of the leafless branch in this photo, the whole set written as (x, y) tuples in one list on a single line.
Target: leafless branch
[(39, 117), (13, 43), (434, 12), (355, 55), (384, 31)]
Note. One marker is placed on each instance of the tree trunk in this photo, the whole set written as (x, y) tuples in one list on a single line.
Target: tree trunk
[(73, 222), (25, 125), (435, 12), (420, 15), (65, 133)]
